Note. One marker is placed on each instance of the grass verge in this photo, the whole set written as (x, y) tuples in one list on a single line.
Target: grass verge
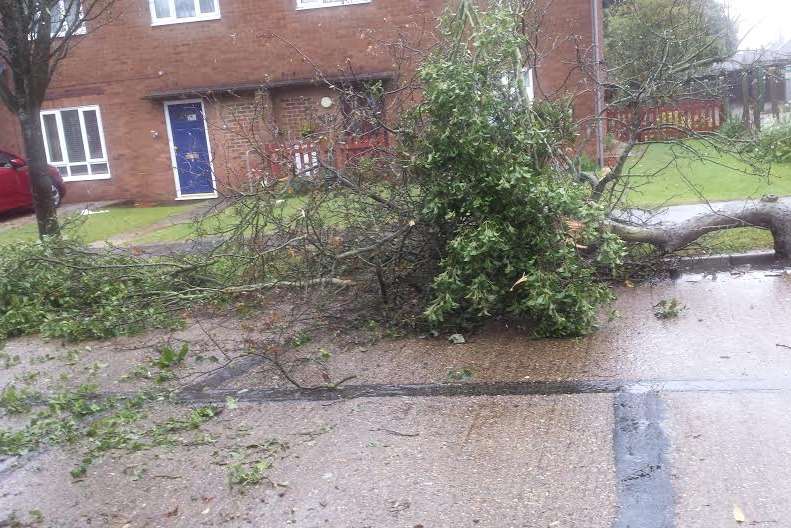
[(102, 226), (683, 179)]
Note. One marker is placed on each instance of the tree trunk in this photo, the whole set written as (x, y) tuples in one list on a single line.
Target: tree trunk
[(746, 101), (758, 101), (40, 181), (773, 93), (775, 216)]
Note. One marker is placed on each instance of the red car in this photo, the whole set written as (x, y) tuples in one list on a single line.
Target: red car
[(15, 187)]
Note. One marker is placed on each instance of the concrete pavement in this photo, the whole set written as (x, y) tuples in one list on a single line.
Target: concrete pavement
[(647, 423)]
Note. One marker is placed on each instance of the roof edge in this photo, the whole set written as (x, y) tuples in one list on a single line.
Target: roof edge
[(229, 89)]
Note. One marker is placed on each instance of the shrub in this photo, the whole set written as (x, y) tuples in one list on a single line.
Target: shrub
[(62, 289), (733, 128), (519, 238), (774, 144)]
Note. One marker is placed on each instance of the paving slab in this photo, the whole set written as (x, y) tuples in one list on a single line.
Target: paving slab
[(730, 450), (127, 364), (731, 328), (495, 462)]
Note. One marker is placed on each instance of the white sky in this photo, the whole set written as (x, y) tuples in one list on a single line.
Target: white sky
[(761, 22)]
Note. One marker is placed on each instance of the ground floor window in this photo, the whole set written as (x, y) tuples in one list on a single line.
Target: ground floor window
[(363, 108), (312, 4), (74, 140)]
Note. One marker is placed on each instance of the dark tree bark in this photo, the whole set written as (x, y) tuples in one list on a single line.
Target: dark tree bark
[(746, 100), (40, 181)]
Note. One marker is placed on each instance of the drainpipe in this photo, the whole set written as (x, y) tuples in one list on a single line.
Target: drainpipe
[(596, 15)]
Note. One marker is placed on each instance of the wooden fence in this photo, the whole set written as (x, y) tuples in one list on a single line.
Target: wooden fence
[(670, 121), (304, 158)]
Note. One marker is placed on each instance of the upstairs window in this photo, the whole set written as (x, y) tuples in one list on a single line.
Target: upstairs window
[(313, 4), (74, 141), (176, 11), (65, 15)]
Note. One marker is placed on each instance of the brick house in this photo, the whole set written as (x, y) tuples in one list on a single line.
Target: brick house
[(159, 103)]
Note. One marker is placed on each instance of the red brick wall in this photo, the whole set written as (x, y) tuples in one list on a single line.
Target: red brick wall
[(567, 33), (10, 135), (119, 64)]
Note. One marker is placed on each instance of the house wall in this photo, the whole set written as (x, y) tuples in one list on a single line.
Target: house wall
[(119, 64), (566, 41)]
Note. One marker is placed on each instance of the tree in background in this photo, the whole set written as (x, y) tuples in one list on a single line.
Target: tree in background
[(35, 37), (683, 37)]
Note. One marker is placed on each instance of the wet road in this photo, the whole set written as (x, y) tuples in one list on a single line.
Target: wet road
[(648, 423)]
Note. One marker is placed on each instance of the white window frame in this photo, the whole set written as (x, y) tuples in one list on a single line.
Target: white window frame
[(530, 75), (79, 31), (64, 151), (303, 4), (173, 19)]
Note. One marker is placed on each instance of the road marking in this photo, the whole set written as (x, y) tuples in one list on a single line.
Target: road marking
[(645, 492)]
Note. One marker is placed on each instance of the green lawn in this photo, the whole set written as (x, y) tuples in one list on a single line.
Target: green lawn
[(717, 177), (215, 223), (731, 241), (682, 179), (91, 228)]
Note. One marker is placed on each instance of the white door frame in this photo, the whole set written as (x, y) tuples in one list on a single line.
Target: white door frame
[(179, 196)]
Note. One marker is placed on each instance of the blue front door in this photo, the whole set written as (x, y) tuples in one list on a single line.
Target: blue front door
[(191, 148)]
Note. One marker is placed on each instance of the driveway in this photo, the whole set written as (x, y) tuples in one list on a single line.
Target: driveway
[(648, 423)]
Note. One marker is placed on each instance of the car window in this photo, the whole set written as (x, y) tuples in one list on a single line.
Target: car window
[(5, 160)]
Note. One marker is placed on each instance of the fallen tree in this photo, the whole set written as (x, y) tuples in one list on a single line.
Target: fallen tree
[(774, 216)]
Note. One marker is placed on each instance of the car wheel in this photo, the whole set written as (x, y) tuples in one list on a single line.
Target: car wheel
[(55, 196)]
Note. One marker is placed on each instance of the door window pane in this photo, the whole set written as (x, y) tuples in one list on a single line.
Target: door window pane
[(162, 8), (72, 8), (185, 8), (64, 14), (52, 138)]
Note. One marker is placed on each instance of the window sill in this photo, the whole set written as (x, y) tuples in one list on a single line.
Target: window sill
[(170, 21), (69, 179), (331, 4), (62, 34)]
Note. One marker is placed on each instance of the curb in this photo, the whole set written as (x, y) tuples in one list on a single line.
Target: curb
[(760, 259)]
